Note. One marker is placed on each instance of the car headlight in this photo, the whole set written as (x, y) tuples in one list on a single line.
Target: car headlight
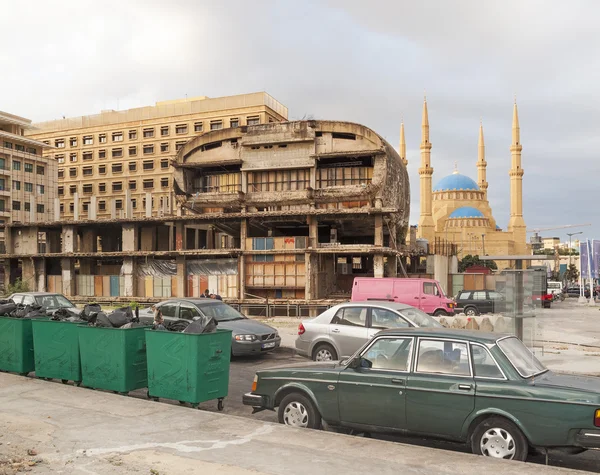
[(246, 338)]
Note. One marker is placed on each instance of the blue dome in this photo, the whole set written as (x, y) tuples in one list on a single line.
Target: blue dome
[(466, 212), (456, 181)]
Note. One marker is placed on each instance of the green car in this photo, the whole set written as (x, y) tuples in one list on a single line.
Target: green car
[(484, 389)]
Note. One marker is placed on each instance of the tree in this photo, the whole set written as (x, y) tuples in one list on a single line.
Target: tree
[(572, 274), (470, 260)]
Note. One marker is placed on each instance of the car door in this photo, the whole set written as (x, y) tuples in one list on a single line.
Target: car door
[(170, 311), (430, 297), (376, 395), (349, 329), (484, 304), (187, 311), (28, 300), (440, 390), (381, 319)]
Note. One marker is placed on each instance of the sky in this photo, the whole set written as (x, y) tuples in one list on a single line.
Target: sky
[(367, 62)]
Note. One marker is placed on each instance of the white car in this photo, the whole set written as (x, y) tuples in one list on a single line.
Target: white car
[(341, 330)]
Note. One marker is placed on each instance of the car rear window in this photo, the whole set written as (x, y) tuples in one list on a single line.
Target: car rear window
[(464, 295), (521, 357)]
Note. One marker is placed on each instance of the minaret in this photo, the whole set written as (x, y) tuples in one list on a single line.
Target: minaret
[(426, 220), (481, 164), (402, 149), (516, 224)]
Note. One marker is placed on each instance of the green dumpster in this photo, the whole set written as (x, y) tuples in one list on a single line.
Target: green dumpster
[(188, 367), (16, 345), (113, 358), (56, 346)]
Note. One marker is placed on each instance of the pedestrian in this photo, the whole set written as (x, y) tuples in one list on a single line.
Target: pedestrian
[(216, 297), (206, 294), (159, 321)]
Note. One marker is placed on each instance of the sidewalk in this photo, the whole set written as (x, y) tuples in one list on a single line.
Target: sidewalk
[(75, 430)]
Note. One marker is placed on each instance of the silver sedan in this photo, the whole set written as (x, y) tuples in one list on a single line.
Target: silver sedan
[(341, 330)]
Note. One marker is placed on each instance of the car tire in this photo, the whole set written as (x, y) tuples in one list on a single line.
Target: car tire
[(297, 410), (498, 437), (471, 312), (440, 313), (324, 352)]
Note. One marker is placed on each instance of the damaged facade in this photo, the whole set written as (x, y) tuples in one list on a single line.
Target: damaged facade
[(291, 210)]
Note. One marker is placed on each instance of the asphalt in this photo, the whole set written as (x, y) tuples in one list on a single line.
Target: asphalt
[(74, 430)]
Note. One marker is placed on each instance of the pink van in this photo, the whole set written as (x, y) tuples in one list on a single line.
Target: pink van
[(424, 294)]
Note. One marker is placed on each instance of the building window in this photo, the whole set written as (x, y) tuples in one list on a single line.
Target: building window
[(119, 204), (28, 187), (71, 207), (148, 133), (41, 189), (60, 158), (29, 168), (102, 138), (16, 165), (88, 140), (27, 206), (59, 143), (117, 167), (151, 203), (40, 208), (117, 152), (134, 203), (16, 185), (20, 148), (86, 206), (254, 120), (88, 171), (31, 150), (117, 186), (102, 169), (132, 134), (101, 205), (101, 187), (164, 182), (87, 155), (88, 188), (149, 183), (216, 124), (233, 123), (181, 129), (16, 205), (73, 142), (62, 208), (8, 145), (148, 149), (61, 173), (72, 172), (164, 147), (2, 207), (61, 190), (342, 176), (132, 151), (132, 166), (198, 126), (164, 131), (101, 153), (179, 146), (73, 189), (117, 136), (3, 164), (148, 165), (282, 180), (73, 157), (164, 163), (132, 184), (40, 170)]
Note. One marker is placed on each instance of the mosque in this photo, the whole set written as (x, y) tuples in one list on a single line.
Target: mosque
[(457, 210)]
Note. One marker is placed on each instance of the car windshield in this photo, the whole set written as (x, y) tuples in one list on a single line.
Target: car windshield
[(419, 318), (221, 312), (520, 357), (53, 301)]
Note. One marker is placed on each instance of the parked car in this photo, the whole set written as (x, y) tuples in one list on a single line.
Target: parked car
[(50, 301), (575, 291), (341, 330), (483, 389), (248, 337), (424, 294), (476, 302)]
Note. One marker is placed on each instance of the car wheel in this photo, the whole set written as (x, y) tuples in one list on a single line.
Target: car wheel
[(499, 438), (296, 410), (324, 352), (440, 313), (471, 312)]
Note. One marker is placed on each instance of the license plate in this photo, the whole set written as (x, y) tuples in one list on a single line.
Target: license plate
[(268, 345)]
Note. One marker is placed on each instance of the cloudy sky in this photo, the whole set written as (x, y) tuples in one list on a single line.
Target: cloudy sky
[(368, 62)]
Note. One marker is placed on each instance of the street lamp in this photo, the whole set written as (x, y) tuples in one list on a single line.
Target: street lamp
[(483, 244), (570, 248)]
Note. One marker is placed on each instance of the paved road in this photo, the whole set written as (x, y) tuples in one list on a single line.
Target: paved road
[(242, 374)]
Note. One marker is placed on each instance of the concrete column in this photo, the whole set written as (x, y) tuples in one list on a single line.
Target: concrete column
[(128, 206), (179, 236), (8, 240), (130, 237), (128, 269), (113, 208), (148, 205), (56, 209), (378, 265), (32, 209), (40, 270), (68, 238), (243, 233), (76, 206), (181, 277), (68, 276), (313, 232), (244, 182), (313, 178), (196, 238), (310, 270), (93, 208), (241, 276), (89, 240), (392, 266), (171, 236), (378, 230), (210, 238)]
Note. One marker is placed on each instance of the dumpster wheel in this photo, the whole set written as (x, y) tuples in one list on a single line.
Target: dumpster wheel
[(64, 381), (220, 405), (155, 399)]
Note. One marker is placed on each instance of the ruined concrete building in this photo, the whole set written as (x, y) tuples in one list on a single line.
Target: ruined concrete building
[(290, 210)]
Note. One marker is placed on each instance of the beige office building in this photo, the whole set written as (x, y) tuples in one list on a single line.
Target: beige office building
[(115, 157), (28, 180)]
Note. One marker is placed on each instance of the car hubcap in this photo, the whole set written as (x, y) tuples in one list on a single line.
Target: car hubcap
[(470, 312), (295, 414), (324, 355), (498, 443)]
